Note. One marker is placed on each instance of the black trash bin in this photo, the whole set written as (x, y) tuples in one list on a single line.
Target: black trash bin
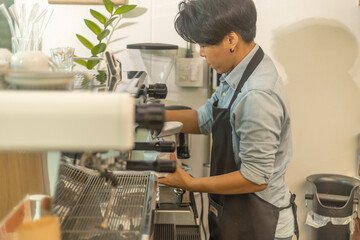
[(334, 196)]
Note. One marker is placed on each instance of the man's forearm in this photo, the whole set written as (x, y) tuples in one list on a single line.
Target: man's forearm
[(187, 117), (230, 183)]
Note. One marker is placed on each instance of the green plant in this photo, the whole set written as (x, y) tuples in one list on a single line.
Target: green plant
[(104, 32)]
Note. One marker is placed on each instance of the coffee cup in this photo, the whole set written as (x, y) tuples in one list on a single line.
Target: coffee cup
[(31, 61)]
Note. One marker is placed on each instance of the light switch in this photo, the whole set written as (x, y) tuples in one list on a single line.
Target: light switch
[(190, 72)]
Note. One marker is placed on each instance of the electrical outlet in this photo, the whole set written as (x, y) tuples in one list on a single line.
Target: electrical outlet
[(190, 72)]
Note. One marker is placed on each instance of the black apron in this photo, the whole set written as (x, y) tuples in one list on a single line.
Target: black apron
[(241, 216)]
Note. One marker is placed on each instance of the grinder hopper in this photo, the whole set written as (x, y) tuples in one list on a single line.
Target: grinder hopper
[(158, 59)]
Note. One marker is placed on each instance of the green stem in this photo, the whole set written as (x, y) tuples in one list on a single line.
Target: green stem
[(113, 30), (103, 53)]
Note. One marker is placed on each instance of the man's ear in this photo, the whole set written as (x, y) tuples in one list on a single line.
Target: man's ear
[(232, 39)]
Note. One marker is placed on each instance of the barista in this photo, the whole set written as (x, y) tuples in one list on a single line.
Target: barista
[(248, 116)]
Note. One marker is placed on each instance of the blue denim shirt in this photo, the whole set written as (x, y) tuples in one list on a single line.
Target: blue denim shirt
[(261, 133)]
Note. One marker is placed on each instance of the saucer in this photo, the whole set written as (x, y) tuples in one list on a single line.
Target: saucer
[(3, 72), (4, 67), (28, 79)]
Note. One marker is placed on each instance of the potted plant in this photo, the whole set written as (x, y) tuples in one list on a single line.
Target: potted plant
[(103, 27)]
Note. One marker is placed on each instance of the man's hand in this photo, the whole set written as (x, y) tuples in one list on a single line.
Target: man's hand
[(228, 183), (179, 178)]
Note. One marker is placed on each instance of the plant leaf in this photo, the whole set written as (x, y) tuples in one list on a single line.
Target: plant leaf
[(101, 18), (109, 5), (85, 82), (81, 62), (99, 48), (93, 27), (110, 21), (103, 34), (85, 42), (124, 9), (91, 64), (101, 76)]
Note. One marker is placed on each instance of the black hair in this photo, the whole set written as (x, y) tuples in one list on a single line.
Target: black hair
[(209, 21)]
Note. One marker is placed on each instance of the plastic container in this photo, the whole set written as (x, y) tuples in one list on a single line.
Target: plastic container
[(158, 59)]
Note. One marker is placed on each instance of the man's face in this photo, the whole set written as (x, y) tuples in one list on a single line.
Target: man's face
[(217, 56)]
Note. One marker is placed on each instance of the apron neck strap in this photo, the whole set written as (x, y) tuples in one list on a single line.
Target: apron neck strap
[(254, 62)]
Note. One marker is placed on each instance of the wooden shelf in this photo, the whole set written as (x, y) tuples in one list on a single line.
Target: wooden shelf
[(89, 2)]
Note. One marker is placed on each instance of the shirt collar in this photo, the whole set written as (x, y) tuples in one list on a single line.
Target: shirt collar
[(233, 77)]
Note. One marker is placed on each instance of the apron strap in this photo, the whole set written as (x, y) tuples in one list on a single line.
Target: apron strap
[(294, 209), (254, 62), (293, 206)]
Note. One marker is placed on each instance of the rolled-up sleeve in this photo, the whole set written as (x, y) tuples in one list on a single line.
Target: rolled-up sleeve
[(258, 120), (205, 118)]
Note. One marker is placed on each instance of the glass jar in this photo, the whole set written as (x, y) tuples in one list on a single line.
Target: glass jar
[(26, 44)]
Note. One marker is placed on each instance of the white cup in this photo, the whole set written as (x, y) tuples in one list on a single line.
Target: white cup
[(63, 58), (31, 61)]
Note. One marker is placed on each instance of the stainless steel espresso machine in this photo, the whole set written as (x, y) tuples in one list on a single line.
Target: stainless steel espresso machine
[(176, 212), (101, 193)]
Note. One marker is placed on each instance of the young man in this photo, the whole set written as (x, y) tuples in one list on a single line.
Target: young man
[(248, 116)]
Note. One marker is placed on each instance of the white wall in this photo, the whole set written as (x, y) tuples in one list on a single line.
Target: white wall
[(67, 20), (316, 43), (316, 47)]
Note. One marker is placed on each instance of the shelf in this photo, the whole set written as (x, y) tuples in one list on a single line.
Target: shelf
[(95, 2)]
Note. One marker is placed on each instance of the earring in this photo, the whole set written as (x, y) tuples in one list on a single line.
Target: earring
[(232, 50)]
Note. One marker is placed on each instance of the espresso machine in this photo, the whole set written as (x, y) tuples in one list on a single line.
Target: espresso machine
[(101, 192), (176, 211)]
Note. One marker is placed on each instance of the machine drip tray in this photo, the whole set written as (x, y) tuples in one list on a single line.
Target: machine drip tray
[(183, 216), (171, 210), (176, 232), (175, 216)]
